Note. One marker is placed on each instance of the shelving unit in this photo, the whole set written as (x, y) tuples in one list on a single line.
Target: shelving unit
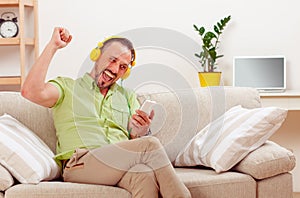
[(22, 41)]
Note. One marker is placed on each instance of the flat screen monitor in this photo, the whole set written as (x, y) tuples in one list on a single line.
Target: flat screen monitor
[(265, 73)]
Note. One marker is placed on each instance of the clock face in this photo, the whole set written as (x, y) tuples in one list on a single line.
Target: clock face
[(8, 29)]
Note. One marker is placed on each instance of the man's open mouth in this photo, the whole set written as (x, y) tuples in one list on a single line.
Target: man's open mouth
[(108, 75)]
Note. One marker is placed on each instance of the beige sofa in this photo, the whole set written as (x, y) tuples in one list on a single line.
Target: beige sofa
[(181, 115)]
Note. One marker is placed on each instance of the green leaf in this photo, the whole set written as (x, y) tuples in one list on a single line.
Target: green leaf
[(219, 25), (210, 35), (219, 56), (197, 55), (201, 31), (213, 54), (227, 19), (222, 22), (196, 28), (207, 43), (216, 29)]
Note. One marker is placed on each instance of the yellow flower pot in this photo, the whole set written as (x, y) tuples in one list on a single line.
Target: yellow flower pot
[(209, 78)]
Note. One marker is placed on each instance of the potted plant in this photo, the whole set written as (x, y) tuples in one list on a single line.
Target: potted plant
[(209, 55)]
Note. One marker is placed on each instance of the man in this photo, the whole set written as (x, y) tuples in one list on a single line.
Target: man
[(99, 125)]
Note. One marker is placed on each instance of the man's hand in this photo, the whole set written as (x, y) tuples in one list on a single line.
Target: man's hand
[(139, 123), (61, 37)]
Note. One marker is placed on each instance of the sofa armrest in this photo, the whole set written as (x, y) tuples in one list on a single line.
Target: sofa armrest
[(266, 161)]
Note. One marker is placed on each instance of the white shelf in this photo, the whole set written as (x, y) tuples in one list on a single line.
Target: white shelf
[(287, 93), (11, 3), (290, 99)]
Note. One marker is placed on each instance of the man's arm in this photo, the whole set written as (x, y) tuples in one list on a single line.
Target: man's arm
[(35, 88)]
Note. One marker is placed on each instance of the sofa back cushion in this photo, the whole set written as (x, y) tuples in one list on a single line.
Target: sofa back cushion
[(35, 117), (181, 114)]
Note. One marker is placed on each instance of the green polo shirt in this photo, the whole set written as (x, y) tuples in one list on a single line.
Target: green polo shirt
[(84, 118)]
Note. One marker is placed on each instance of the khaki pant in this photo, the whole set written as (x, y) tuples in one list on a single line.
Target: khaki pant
[(140, 166)]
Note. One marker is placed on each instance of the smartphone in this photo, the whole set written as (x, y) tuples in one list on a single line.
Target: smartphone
[(147, 106)]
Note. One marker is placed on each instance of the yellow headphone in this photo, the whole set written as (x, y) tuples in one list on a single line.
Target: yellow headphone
[(96, 52)]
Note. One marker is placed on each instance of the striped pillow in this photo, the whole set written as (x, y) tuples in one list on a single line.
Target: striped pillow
[(24, 154), (228, 139)]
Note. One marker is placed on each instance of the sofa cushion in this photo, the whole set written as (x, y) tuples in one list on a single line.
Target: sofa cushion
[(268, 160), (279, 186), (25, 155), (66, 190), (207, 183), (228, 139), (37, 118), (6, 180)]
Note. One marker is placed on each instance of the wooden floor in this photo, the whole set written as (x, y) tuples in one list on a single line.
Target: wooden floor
[(296, 195)]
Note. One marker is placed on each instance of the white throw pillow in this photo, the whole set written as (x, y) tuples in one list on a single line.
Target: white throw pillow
[(228, 139), (24, 154)]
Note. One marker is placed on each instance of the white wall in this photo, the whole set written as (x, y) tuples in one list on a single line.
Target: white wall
[(257, 28)]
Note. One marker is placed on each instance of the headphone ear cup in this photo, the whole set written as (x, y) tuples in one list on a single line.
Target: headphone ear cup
[(126, 74), (133, 63), (95, 54)]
